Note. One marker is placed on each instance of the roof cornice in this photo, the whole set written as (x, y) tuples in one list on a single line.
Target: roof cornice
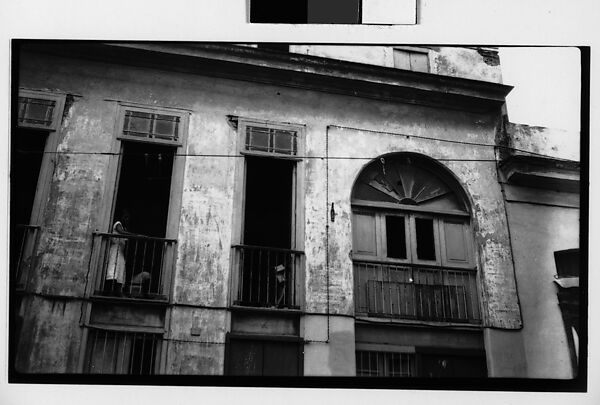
[(294, 70)]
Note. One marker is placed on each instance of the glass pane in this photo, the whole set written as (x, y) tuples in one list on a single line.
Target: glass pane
[(137, 123), (165, 126), (257, 139), (396, 237), (284, 142), (36, 111), (425, 238)]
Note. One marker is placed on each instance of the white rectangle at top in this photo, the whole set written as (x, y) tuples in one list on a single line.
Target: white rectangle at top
[(389, 11)]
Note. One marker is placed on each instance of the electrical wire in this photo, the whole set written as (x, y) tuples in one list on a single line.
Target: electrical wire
[(291, 156)]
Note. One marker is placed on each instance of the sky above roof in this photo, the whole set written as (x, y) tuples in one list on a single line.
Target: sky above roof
[(547, 86)]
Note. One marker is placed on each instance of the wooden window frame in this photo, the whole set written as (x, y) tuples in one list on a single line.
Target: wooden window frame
[(47, 164), (298, 191), (410, 235), (59, 100), (182, 126)]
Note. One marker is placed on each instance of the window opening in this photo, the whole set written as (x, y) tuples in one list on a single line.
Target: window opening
[(395, 237), (133, 254), (115, 352), (271, 140), (567, 263), (268, 263), (385, 364), (425, 238), (36, 111), (27, 152), (151, 125), (424, 270)]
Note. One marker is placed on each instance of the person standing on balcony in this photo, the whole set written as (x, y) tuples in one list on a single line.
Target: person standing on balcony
[(115, 271)]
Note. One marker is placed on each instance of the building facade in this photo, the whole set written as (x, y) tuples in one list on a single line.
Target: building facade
[(211, 209)]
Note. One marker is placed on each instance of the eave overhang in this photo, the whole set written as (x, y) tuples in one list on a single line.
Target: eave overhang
[(293, 70), (541, 172)]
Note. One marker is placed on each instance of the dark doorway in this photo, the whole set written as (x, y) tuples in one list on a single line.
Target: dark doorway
[(268, 265), (27, 151), (268, 213), (26, 154), (142, 207), (144, 187)]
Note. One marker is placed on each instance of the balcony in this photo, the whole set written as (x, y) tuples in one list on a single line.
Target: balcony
[(415, 292), (134, 267), (23, 245), (268, 277)]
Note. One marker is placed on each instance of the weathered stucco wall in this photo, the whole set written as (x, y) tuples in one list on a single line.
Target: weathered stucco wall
[(467, 63), (208, 206), (553, 142), (538, 231)]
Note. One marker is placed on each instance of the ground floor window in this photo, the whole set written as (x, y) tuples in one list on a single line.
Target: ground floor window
[(420, 364), (117, 352), (249, 356)]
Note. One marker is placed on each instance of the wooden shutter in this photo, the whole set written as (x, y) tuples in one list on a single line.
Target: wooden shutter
[(365, 242)]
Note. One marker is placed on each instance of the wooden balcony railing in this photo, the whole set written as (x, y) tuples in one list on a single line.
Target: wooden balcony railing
[(23, 244), (267, 277), (128, 266), (415, 292)]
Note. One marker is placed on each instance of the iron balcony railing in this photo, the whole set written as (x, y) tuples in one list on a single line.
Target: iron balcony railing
[(267, 277), (415, 292), (23, 245), (131, 266)]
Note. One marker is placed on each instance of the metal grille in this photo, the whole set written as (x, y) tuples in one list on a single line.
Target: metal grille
[(415, 292), (268, 276), (270, 140), (385, 364), (23, 247), (116, 352), (152, 126), (36, 111), (132, 266)]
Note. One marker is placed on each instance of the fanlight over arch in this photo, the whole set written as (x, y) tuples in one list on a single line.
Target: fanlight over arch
[(406, 180)]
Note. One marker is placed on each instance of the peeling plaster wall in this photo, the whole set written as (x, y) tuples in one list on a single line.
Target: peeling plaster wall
[(467, 63), (202, 271), (51, 341), (554, 142)]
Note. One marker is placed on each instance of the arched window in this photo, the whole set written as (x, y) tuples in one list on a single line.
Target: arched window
[(414, 268), (412, 242)]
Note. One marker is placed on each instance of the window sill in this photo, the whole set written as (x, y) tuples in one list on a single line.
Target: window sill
[(421, 323), (287, 310), (130, 300)]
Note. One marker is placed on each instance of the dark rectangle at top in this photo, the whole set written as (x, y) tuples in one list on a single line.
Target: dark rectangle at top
[(278, 11), (306, 11)]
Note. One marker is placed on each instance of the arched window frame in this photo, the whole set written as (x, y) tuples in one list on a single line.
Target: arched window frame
[(448, 226)]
